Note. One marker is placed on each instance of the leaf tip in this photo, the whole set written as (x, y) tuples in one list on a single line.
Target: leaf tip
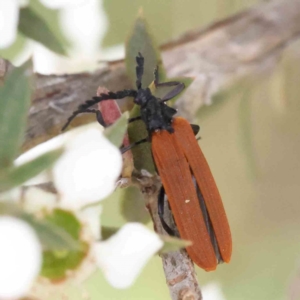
[(140, 13)]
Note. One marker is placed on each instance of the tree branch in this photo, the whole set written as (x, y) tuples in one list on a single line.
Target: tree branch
[(246, 44)]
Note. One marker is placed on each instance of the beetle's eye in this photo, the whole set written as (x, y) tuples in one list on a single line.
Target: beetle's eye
[(137, 100), (140, 100)]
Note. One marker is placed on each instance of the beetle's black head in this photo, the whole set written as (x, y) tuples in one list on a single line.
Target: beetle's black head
[(143, 96)]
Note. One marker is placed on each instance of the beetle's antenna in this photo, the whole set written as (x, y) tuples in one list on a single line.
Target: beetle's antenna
[(139, 70), (105, 96)]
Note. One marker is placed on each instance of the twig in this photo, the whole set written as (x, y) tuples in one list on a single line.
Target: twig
[(178, 267), (247, 44)]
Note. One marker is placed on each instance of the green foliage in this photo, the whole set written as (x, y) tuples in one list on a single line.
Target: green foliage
[(53, 237), (108, 231), (57, 263), (14, 50), (34, 27), (15, 98), (133, 206), (141, 40), (59, 234), (56, 233), (115, 133), (15, 176), (161, 26)]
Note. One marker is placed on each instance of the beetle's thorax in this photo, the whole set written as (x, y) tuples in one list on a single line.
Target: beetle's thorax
[(154, 112)]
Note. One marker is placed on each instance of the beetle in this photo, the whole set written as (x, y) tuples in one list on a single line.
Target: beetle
[(187, 181)]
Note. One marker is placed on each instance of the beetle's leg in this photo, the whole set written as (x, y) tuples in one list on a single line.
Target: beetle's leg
[(168, 83), (179, 86), (124, 149), (134, 119), (174, 92), (195, 128), (160, 207)]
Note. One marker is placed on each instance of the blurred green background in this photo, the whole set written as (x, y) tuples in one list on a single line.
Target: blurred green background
[(250, 136)]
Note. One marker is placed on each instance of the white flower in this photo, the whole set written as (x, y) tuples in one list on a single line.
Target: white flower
[(123, 255), (41, 203), (11, 195), (91, 217), (52, 144), (9, 16), (37, 201), (20, 257), (88, 170)]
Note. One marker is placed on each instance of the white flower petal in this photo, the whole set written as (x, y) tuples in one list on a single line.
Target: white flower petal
[(9, 15), (20, 257), (23, 3), (123, 256), (54, 4), (212, 291), (35, 152), (88, 170), (91, 217), (36, 200), (40, 149), (11, 195), (85, 25)]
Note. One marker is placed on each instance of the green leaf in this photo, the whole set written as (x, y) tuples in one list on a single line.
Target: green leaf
[(107, 232), (173, 244), (11, 53), (15, 98), (15, 176), (56, 264), (52, 236), (133, 207), (115, 133), (59, 234), (140, 40), (66, 220), (34, 27)]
